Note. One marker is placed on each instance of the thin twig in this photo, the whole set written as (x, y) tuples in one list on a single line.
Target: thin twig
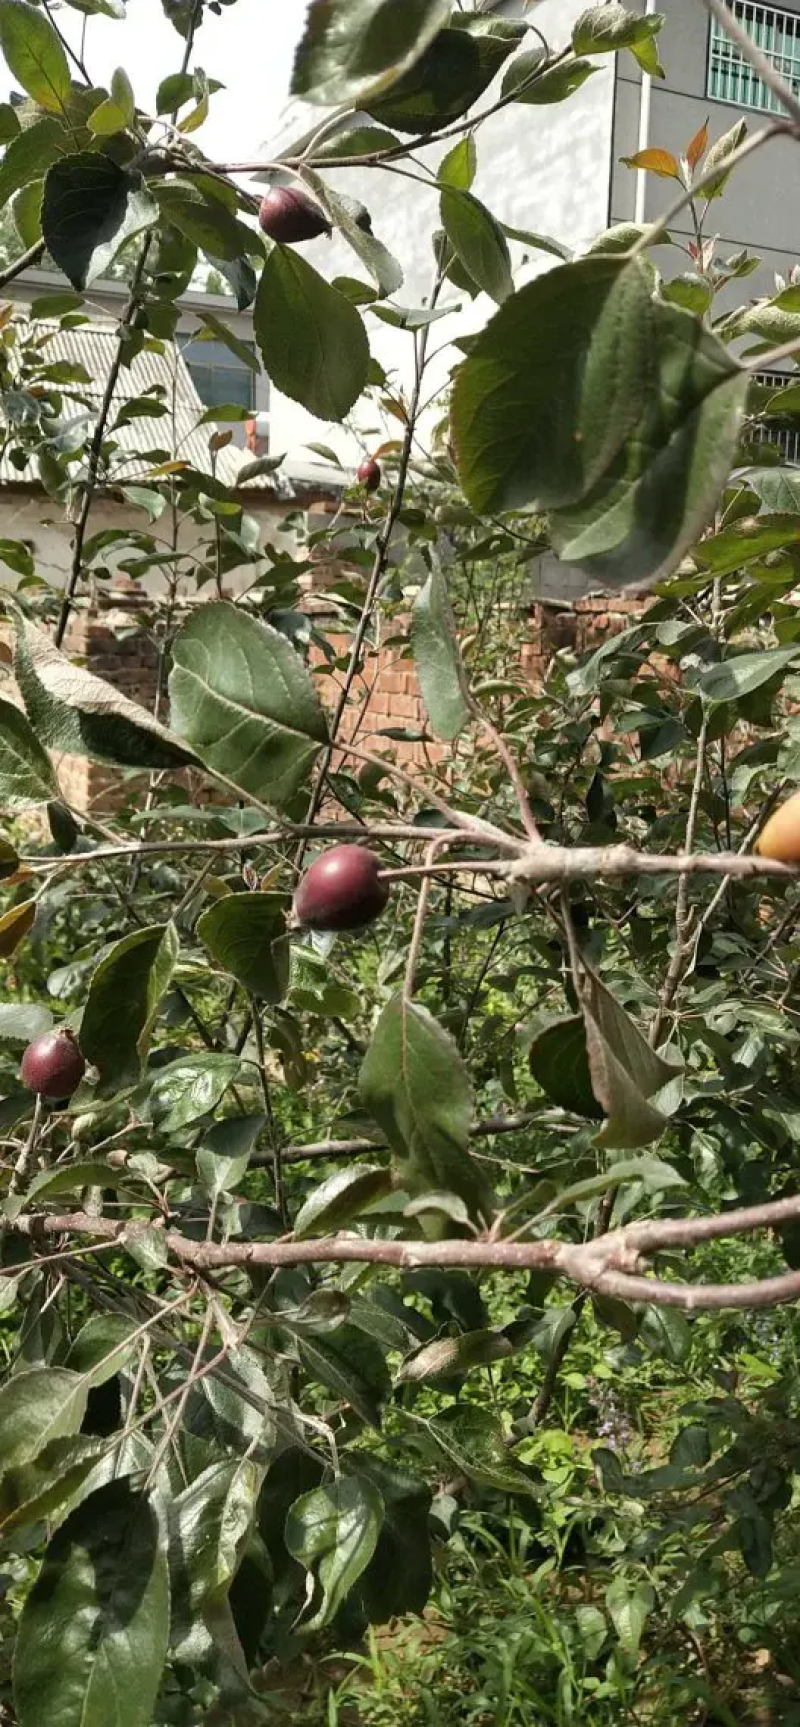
[(96, 446), (272, 1126), (378, 572), (27, 261), (682, 947)]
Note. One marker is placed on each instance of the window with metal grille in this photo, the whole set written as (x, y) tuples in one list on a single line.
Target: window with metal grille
[(731, 77), (783, 433), (219, 375)]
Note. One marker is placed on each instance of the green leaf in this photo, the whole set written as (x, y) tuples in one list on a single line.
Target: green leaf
[(225, 1153), (209, 1523), (312, 340), (102, 1347), (556, 83), (43, 1404), (32, 1491), (104, 8), (243, 699), (73, 711), (618, 412), (190, 1088), (626, 1073), (92, 1640), (454, 71), (478, 241), (559, 1062), (459, 167), (30, 155), (474, 1443), (246, 934), (353, 49), (742, 673), (204, 219), (119, 111), (26, 772), (438, 659), (538, 413), (718, 156), (384, 269), (415, 1085), (399, 1576), (450, 1357), (750, 538), (654, 1175), (352, 1366), (359, 141), (333, 1532), (27, 214), (71, 1179), (342, 1196), (90, 208), (606, 29), (523, 68), (34, 55), (629, 1606), (665, 1331), (21, 1022), (124, 997)]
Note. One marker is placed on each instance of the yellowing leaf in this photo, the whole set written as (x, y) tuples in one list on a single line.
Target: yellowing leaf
[(655, 161), (699, 144), (14, 925)]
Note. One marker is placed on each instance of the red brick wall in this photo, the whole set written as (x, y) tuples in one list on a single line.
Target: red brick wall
[(384, 694)]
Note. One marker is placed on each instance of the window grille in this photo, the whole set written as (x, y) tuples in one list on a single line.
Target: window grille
[(219, 375), (784, 434), (731, 77)]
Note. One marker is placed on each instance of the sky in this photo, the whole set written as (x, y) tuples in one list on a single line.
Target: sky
[(249, 48)]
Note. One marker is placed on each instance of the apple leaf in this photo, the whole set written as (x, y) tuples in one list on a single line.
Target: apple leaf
[(438, 659), (90, 208), (312, 340), (94, 1630), (26, 772), (352, 49), (415, 1085), (124, 996), (243, 700)]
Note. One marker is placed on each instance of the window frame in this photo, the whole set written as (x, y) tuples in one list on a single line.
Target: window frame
[(231, 364), (752, 93)]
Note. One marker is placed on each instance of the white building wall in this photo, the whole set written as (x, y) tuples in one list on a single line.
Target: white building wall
[(545, 169)]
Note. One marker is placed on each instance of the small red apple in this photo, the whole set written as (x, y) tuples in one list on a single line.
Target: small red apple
[(53, 1065), (342, 890), (370, 474), (288, 215)]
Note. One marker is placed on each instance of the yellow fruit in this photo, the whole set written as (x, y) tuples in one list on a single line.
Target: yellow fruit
[(780, 838)]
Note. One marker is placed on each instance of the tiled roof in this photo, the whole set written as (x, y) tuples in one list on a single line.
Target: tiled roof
[(141, 443)]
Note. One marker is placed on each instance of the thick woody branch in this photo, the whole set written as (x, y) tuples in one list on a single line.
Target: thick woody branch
[(609, 1264), (588, 863), (527, 863)]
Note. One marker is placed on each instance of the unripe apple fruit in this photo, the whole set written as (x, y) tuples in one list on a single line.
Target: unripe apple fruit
[(342, 890), (288, 216), (53, 1065), (370, 474), (780, 839)]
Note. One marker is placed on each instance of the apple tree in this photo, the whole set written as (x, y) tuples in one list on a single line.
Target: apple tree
[(336, 1092)]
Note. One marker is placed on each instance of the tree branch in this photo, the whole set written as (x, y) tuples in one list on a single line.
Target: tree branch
[(96, 446), (608, 1264)]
